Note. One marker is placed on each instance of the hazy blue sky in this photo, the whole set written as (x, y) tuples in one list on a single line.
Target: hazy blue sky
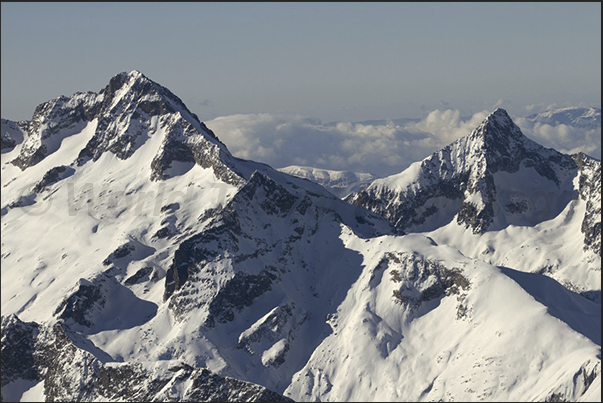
[(331, 61)]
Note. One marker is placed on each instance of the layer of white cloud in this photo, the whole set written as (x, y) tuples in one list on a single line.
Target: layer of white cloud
[(381, 149), (563, 138), (281, 141)]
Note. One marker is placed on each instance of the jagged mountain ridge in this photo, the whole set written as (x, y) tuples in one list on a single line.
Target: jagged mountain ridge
[(491, 181), (135, 99), (254, 276), (32, 347), (173, 147), (143, 108), (155, 239), (463, 170)]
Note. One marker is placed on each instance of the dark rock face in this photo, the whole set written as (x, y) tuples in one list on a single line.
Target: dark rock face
[(133, 99), (209, 387), (192, 257), (423, 281), (69, 373), (192, 254), (224, 234), (474, 217), (12, 134), (170, 207), (164, 232), (237, 294), (139, 275), (32, 158), (183, 143), (280, 201), (123, 112), (76, 306), (53, 176), (56, 119), (463, 174), (172, 151), (590, 191), (122, 251), (18, 350), (250, 246), (7, 142), (582, 379)]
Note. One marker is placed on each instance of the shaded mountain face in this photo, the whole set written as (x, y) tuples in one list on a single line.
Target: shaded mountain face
[(421, 312), (170, 270), (38, 354), (12, 133), (589, 187)]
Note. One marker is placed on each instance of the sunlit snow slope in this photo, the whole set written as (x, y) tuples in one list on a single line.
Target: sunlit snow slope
[(142, 261), (500, 197)]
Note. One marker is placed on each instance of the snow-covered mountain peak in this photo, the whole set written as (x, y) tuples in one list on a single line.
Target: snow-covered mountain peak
[(149, 97), (492, 182), (136, 73), (125, 81), (136, 87), (498, 136), (499, 127), (498, 124), (121, 118), (168, 270), (467, 171)]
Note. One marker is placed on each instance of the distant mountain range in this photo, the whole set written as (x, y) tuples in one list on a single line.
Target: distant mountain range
[(340, 183), (587, 118), (142, 261)]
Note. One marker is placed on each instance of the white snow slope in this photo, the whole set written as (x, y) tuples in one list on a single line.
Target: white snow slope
[(500, 197), (140, 257)]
